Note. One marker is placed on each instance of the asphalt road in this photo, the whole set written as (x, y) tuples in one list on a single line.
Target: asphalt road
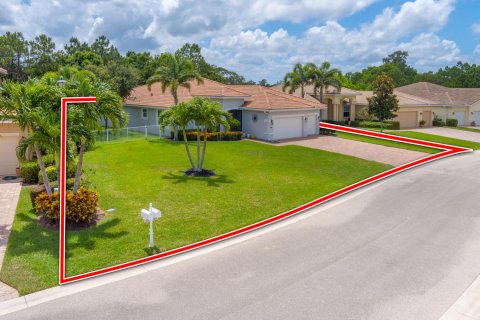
[(407, 249)]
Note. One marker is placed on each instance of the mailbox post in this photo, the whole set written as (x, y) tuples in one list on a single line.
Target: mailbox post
[(149, 216)]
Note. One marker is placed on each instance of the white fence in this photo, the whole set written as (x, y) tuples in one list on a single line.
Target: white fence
[(129, 133)]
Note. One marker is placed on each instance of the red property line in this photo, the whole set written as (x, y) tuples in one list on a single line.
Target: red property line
[(448, 151)]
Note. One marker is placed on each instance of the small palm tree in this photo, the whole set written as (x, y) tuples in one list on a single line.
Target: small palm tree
[(324, 77), (33, 106), (179, 115), (84, 119), (176, 71), (299, 77)]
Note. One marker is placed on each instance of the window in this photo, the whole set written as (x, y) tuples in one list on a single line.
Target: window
[(346, 110), (144, 113)]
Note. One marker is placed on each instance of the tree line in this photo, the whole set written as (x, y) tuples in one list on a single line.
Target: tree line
[(25, 59)]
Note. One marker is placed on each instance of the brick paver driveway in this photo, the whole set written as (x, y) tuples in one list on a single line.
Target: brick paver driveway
[(451, 133), (9, 193), (368, 151)]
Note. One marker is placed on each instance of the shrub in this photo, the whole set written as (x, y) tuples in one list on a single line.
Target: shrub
[(438, 122), (389, 125), (37, 189), (327, 132), (48, 160), (29, 171), (452, 122), (421, 123), (52, 171), (81, 207), (355, 123), (213, 136), (51, 174)]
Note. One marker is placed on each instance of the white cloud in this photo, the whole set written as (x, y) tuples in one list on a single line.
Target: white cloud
[(428, 51), (232, 29), (476, 28)]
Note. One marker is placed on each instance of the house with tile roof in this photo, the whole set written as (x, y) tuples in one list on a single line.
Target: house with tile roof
[(266, 113), (418, 101)]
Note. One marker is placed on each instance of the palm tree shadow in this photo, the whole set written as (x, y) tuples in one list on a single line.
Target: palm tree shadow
[(213, 181), (86, 238), (151, 251)]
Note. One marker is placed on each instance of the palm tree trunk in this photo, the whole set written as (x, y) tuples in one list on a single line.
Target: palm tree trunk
[(78, 171), (46, 183), (188, 149), (198, 148), (204, 150), (303, 91), (321, 94), (175, 128)]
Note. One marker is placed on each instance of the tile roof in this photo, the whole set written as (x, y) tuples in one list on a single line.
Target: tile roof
[(255, 96), (442, 95), (271, 99)]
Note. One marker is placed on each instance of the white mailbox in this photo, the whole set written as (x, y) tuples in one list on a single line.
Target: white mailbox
[(149, 216)]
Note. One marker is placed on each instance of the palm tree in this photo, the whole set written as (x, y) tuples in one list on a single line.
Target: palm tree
[(176, 71), (178, 116), (323, 77), (33, 106), (299, 77), (209, 115), (84, 119)]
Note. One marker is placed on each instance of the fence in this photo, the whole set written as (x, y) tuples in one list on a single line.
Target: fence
[(129, 133)]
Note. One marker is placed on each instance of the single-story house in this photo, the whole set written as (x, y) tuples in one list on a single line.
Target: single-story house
[(417, 102), (10, 135), (266, 113)]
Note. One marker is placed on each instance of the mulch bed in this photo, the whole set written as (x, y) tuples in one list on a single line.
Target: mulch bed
[(72, 226), (204, 173)]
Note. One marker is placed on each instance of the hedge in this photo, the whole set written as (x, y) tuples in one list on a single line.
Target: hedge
[(389, 125), (212, 136), (30, 171), (452, 122)]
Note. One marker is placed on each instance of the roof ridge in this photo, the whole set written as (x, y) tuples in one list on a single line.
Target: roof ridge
[(290, 97), (266, 97)]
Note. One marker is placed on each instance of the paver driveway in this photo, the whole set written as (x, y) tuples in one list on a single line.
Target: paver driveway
[(451, 133), (9, 193), (368, 151)]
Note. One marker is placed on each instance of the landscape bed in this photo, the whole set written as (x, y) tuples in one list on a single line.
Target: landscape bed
[(253, 181)]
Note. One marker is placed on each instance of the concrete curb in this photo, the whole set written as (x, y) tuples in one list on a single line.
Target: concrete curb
[(467, 307)]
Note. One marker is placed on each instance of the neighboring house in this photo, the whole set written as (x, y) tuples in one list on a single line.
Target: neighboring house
[(266, 113), (417, 102), (10, 135)]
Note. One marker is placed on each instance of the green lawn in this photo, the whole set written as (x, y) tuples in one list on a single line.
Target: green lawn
[(388, 143), (254, 181), (437, 138)]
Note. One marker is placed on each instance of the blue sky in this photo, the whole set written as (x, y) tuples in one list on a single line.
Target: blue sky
[(264, 38)]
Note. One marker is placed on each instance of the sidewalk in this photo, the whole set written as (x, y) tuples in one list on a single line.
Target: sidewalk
[(467, 307), (9, 194)]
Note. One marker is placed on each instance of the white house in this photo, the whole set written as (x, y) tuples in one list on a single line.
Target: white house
[(268, 114)]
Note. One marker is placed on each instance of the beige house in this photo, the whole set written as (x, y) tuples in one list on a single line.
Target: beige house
[(10, 135), (417, 102)]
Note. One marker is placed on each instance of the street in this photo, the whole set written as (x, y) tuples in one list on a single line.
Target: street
[(406, 249)]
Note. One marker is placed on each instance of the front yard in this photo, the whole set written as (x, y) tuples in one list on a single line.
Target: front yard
[(254, 181)]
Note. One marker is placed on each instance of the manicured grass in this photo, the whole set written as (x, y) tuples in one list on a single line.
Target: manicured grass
[(437, 138), (254, 181), (465, 129), (387, 143)]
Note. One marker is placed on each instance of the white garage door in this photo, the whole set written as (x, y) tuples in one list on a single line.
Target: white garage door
[(460, 116), (284, 128), (476, 118), (8, 155), (312, 125)]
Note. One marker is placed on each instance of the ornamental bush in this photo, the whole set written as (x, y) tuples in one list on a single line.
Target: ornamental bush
[(51, 174), (29, 171), (452, 122), (81, 207), (389, 125)]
